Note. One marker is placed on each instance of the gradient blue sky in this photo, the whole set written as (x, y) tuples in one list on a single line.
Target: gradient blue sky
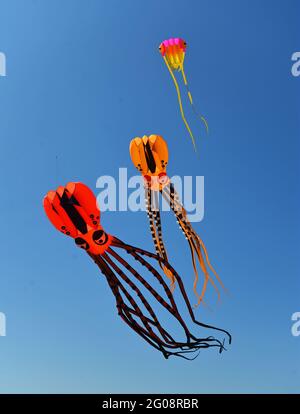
[(83, 78)]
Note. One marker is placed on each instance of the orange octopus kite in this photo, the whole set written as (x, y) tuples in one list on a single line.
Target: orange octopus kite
[(150, 156)]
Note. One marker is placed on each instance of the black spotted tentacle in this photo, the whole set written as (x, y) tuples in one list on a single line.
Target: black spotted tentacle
[(148, 205), (178, 210), (156, 229), (196, 245)]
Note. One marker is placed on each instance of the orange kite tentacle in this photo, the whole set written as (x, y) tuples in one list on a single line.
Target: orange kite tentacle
[(195, 243)]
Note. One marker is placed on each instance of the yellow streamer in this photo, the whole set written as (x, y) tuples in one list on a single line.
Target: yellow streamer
[(180, 103), (191, 99)]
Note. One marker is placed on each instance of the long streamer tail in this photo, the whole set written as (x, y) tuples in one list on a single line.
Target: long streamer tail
[(156, 233), (191, 99), (137, 253), (180, 103), (196, 245)]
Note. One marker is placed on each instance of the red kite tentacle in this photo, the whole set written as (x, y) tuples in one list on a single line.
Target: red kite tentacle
[(132, 301), (136, 250), (126, 314), (172, 309), (155, 321), (131, 250), (143, 281), (123, 309)]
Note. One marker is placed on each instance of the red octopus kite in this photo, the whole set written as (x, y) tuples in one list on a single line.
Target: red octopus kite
[(74, 212)]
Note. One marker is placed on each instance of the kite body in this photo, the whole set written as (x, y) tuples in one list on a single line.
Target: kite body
[(174, 52), (73, 211), (64, 209), (150, 156)]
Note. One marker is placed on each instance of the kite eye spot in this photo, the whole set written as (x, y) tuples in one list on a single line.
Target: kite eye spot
[(68, 233), (92, 216), (162, 178), (80, 242), (147, 180), (100, 237)]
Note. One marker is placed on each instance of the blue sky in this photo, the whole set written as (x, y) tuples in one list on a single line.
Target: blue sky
[(83, 78)]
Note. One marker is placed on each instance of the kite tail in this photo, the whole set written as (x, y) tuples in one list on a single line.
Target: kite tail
[(196, 251), (196, 246), (155, 228), (210, 265), (191, 99), (180, 103)]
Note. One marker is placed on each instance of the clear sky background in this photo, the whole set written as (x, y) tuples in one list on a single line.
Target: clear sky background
[(83, 78)]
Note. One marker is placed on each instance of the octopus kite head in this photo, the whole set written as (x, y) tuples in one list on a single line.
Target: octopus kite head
[(150, 156), (94, 241), (73, 211), (173, 50)]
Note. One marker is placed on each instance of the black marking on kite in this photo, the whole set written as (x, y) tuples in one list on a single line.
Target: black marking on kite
[(68, 204), (149, 158)]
